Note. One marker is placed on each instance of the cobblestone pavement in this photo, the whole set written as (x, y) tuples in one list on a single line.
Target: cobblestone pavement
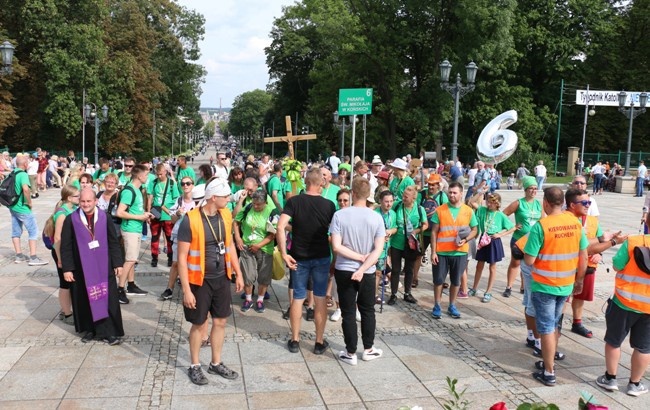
[(43, 363)]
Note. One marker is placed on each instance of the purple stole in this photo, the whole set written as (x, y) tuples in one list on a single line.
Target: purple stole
[(94, 262)]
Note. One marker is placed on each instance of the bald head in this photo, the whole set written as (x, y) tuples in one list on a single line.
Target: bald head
[(87, 200), (21, 161)]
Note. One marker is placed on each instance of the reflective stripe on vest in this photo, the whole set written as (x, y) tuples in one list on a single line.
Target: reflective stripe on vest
[(632, 285), (557, 261), (196, 254), (448, 228), (591, 229)]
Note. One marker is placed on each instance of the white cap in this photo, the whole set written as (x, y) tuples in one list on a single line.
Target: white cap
[(217, 187)]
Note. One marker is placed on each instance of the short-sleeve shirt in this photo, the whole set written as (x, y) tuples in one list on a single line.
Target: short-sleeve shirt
[(254, 227), (413, 218), (135, 206), (330, 193), (311, 216), (390, 222), (274, 184), (21, 179), (358, 228), (215, 265), (494, 221), (159, 190), (101, 174), (526, 215), (397, 187)]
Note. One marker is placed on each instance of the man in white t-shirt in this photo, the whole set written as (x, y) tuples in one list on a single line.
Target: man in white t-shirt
[(640, 178), (333, 161), (540, 175)]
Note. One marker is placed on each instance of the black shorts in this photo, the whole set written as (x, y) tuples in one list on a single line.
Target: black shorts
[(214, 297), (454, 265), (63, 284), (620, 322)]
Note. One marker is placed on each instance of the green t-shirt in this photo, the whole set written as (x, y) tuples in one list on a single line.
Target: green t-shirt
[(21, 179), (330, 193), (390, 222), (123, 179), (157, 190), (254, 227), (76, 184), (416, 216), (182, 173), (435, 219), (526, 215), (532, 248), (100, 174), (234, 188), (430, 206), (150, 178), (619, 261), (494, 221), (397, 187), (63, 210), (274, 184), (136, 207)]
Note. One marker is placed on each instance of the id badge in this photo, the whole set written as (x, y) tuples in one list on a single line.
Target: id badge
[(252, 237), (221, 248), (93, 244)]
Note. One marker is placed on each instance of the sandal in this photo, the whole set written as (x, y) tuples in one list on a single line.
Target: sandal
[(558, 355), (330, 301), (582, 330)]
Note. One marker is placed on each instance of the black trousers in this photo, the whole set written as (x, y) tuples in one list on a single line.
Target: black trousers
[(353, 294), (396, 256)]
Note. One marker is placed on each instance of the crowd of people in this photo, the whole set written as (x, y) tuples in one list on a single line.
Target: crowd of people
[(351, 235)]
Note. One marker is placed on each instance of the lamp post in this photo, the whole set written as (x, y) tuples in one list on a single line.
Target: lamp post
[(304, 131), (589, 112), (341, 126), (631, 113), (91, 117), (457, 90), (7, 53)]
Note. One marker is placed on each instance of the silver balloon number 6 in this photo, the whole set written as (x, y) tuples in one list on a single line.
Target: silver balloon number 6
[(497, 143)]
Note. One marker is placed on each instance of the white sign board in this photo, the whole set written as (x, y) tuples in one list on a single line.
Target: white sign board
[(605, 98)]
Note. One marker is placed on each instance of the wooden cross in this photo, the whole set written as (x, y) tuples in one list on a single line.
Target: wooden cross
[(290, 138)]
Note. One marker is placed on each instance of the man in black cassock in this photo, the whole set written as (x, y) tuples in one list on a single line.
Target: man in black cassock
[(92, 258)]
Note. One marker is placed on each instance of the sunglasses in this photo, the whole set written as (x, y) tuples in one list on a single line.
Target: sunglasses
[(579, 183), (583, 203), (128, 166), (187, 183)]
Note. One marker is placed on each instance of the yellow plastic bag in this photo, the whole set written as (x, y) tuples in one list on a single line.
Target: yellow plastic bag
[(278, 265)]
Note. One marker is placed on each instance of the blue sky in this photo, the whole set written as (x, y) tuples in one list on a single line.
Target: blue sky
[(232, 52)]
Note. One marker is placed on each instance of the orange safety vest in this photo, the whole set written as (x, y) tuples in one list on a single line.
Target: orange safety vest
[(521, 242), (632, 285), (196, 254), (557, 261), (591, 226), (448, 228)]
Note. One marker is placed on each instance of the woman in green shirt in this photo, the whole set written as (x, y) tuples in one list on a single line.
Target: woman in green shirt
[(68, 203), (236, 179)]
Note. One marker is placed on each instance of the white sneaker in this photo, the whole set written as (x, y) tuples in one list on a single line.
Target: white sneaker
[(371, 354), (336, 316), (347, 358), (358, 316)]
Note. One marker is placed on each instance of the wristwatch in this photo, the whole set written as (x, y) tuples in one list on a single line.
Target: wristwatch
[(613, 242)]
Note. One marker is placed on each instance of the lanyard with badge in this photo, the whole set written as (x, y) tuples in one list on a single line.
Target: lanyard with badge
[(221, 247), (94, 243)]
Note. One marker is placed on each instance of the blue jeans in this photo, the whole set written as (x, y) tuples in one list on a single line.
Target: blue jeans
[(548, 309), (26, 220), (540, 182), (316, 269), (639, 186)]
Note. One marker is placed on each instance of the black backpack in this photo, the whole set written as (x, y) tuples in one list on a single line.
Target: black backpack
[(8, 194)]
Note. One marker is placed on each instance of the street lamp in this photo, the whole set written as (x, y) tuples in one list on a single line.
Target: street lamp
[(589, 112), (304, 131), (342, 127), (631, 113), (7, 52), (91, 117), (457, 90)]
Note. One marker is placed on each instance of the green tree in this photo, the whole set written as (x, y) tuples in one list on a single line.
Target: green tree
[(248, 112)]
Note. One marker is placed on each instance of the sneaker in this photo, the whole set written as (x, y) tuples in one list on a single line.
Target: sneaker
[(436, 312), (246, 306), (379, 300), (547, 380), (345, 357), (69, 320), (453, 311), (371, 354), (36, 261), (294, 346), (471, 292), (409, 298), (135, 291), (636, 391), (539, 365), (20, 258), (530, 343), (392, 300), (167, 294), (112, 340), (121, 295), (425, 260), (267, 296), (462, 295), (259, 307), (358, 316), (320, 348), (145, 238), (507, 292), (154, 262), (88, 337), (487, 297), (336, 316), (197, 376), (310, 314), (222, 371), (610, 385), (286, 315), (170, 261)]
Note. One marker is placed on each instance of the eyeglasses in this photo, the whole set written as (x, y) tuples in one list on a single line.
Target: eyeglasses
[(128, 166), (579, 183), (583, 203), (187, 183)]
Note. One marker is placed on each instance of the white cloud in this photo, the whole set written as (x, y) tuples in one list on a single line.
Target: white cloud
[(236, 33)]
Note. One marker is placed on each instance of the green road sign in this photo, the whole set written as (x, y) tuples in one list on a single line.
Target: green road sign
[(355, 101)]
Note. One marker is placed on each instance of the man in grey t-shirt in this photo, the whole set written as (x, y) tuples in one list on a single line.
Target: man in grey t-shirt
[(358, 236)]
